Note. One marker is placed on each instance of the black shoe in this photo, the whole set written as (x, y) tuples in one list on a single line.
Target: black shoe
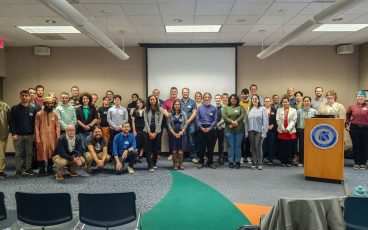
[(212, 166), (3, 175), (42, 172), (50, 171), (199, 166), (237, 165), (18, 173), (30, 172), (231, 165)]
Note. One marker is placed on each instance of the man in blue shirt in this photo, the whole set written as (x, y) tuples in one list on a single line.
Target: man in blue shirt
[(124, 149), (189, 106)]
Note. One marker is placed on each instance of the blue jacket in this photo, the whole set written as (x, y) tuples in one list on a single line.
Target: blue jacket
[(122, 143)]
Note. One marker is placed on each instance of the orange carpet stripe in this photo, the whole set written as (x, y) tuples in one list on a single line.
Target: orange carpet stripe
[(253, 212)]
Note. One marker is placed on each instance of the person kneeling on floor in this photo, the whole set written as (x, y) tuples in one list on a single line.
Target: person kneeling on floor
[(97, 150), (124, 149), (68, 153)]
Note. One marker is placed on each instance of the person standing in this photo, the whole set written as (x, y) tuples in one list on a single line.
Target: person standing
[(220, 126), (74, 99), (102, 114), (152, 128), (66, 113), (32, 96), (269, 143), (286, 132), (21, 126), (332, 107), (40, 90), (176, 125), (189, 106), (206, 123), (256, 129), (357, 125), (319, 99), (234, 117), (4, 133), (138, 126), (47, 131), (166, 110)]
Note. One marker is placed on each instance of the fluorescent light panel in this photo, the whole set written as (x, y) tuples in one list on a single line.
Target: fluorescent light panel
[(49, 29), (340, 27), (193, 29)]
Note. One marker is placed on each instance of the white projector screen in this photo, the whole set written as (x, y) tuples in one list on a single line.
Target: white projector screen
[(210, 69)]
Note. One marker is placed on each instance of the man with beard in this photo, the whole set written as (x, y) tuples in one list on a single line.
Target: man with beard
[(97, 149), (319, 99), (21, 126), (125, 149), (75, 96), (39, 94), (47, 131)]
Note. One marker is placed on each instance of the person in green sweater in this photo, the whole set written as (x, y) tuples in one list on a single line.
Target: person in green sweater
[(234, 115)]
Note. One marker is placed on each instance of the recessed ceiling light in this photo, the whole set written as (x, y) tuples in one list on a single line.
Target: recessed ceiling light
[(178, 20), (340, 27), (49, 29), (261, 31), (241, 20), (337, 19), (50, 21), (193, 29)]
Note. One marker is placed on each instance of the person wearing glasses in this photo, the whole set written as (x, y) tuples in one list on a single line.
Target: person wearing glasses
[(332, 107)]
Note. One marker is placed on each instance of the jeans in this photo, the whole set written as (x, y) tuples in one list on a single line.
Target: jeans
[(256, 139), (190, 130), (269, 145), (83, 137), (234, 141), (220, 133), (24, 144)]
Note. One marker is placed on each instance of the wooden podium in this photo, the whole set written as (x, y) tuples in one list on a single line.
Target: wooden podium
[(324, 149)]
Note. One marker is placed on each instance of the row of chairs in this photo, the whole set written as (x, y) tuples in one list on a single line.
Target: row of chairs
[(103, 210)]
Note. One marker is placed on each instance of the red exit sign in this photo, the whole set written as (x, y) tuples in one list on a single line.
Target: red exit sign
[(1, 43)]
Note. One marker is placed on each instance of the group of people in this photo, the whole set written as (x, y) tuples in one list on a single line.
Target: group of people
[(73, 130)]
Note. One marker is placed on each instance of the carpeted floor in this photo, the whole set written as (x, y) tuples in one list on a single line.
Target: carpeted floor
[(191, 204)]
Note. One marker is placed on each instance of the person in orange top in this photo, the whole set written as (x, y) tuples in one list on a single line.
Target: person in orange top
[(47, 131)]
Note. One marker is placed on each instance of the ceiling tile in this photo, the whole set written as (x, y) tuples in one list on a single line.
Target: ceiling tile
[(315, 7), (205, 35), (177, 9), (99, 9), (145, 20), (113, 20), (209, 20), (274, 19), (242, 19), (249, 8), (141, 9), (291, 8), (179, 36), (32, 10), (235, 28), (150, 29), (213, 8), (186, 19)]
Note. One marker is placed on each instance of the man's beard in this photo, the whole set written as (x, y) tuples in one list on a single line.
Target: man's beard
[(48, 109)]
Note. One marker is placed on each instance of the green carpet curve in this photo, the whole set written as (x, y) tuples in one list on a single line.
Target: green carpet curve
[(190, 205)]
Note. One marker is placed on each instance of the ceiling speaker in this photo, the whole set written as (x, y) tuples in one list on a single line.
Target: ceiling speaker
[(41, 51)]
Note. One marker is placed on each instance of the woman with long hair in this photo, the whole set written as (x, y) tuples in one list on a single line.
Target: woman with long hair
[(286, 132), (152, 128), (138, 126), (256, 130), (176, 125), (269, 143), (233, 115)]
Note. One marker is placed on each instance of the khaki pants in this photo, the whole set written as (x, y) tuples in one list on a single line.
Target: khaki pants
[(61, 163), (89, 158), (2, 154)]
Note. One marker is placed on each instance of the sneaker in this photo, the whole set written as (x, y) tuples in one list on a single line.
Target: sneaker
[(151, 170), (199, 166), (169, 157), (355, 167), (231, 165), (18, 173), (259, 167), (195, 161), (30, 172), (212, 166), (130, 170), (42, 172), (362, 167), (300, 165), (249, 160), (253, 166), (3, 175), (237, 165), (155, 167), (242, 160), (59, 176)]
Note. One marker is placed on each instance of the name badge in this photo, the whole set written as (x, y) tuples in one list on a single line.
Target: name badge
[(189, 106), (126, 142), (120, 112), (105, 112), (236, 111), (365, 109), (31, 114), (211, 114)]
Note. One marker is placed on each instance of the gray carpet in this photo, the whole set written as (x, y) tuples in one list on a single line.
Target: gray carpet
[(242, 186)]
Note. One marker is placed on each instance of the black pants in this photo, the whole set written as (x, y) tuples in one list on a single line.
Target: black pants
[(220, 140), (300, 135), (359, 138), (245, 147), (287, 149), (151, 149), (207, 142)]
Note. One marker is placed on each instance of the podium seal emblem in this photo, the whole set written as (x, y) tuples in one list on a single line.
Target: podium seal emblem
[(324, 136)]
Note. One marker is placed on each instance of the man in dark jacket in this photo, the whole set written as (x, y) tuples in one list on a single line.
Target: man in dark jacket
[(68, 153)]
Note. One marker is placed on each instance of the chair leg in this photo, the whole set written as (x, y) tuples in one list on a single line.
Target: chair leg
[(138, 222)]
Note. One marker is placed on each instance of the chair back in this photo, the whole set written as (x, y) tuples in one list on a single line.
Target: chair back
[(43, 209), (107, 209), (356, 213), (2, 207)]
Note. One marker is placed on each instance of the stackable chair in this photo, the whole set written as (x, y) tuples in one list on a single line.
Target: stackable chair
[(107, 210), (356, 213)]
